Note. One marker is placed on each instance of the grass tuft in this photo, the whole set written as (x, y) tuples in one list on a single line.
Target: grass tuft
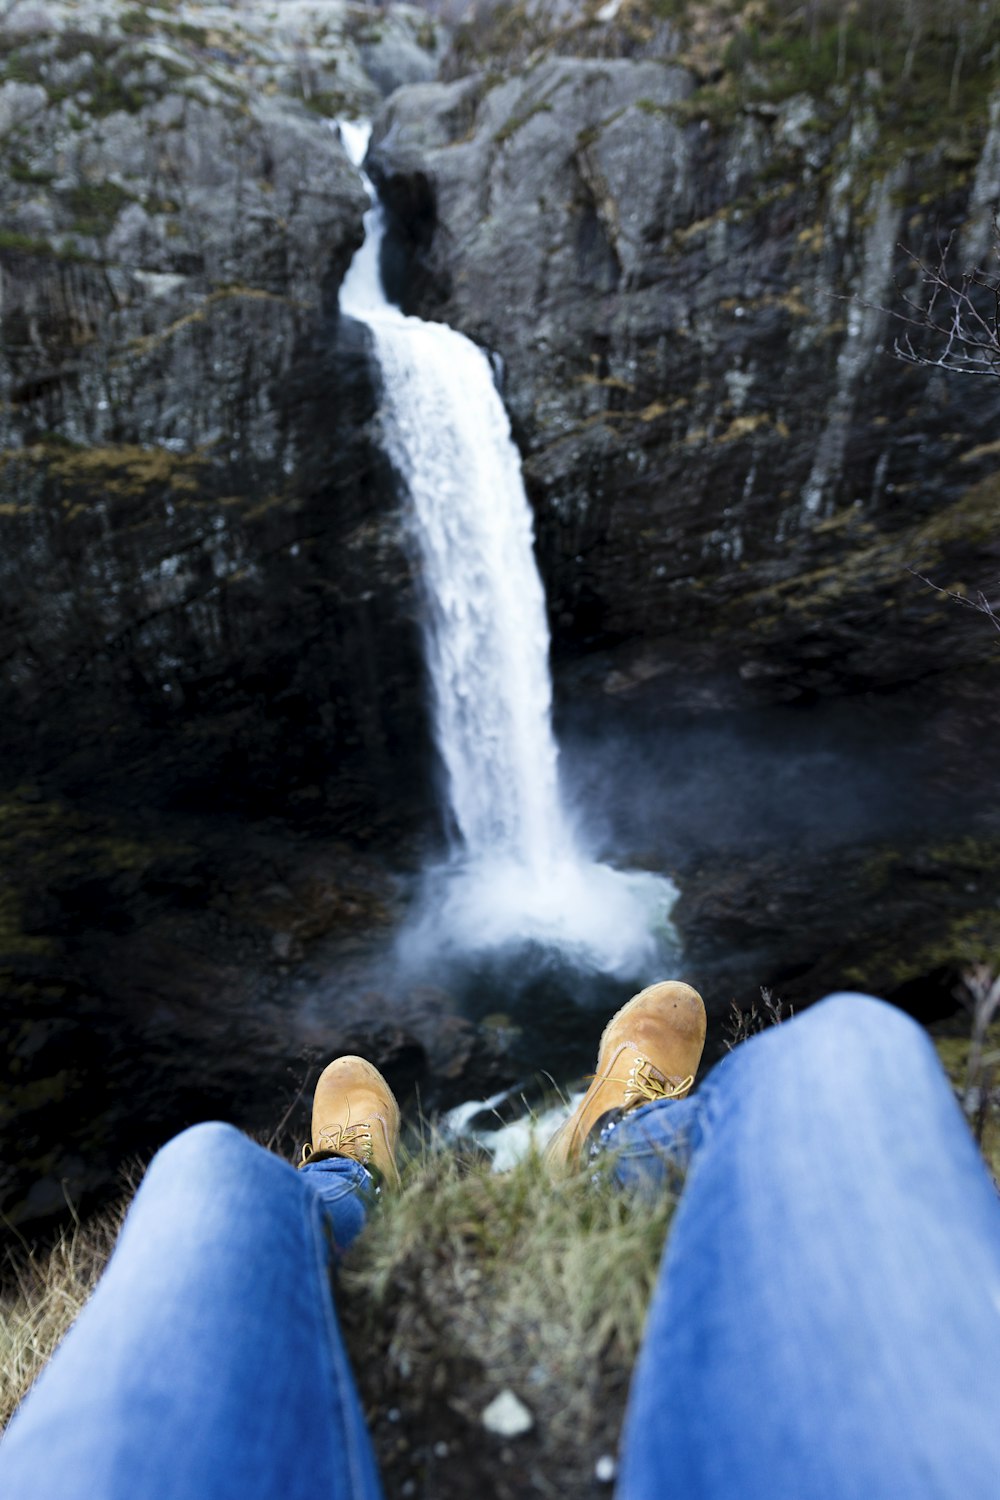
[(467, 1283), (46, 1291)]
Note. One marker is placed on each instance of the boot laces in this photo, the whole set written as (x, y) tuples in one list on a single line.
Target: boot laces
[(646, 1083), (354, 1141)]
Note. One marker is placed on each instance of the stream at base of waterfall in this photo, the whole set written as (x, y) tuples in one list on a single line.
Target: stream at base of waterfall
[(517, 874)]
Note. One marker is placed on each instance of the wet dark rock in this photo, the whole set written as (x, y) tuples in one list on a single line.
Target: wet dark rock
[(899, 921), (204, 579), (143, 990)]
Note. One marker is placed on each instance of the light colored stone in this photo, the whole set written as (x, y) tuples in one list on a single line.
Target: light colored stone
[(18, 102), (507, 1416), (796, 120), (28, 20)]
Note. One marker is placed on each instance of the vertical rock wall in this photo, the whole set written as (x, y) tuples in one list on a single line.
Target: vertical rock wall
[(690, 294), (199, 541)]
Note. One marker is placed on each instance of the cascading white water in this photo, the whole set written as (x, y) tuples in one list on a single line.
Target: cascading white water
[(487, 637), (517, 873)]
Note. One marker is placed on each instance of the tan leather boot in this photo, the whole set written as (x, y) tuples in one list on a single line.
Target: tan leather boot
[(650, 1050), (355, 1114)]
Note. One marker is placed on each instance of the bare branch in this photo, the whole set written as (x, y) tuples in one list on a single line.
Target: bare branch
[(962, 337), (741, 1024), (947, 328), (980, 603)]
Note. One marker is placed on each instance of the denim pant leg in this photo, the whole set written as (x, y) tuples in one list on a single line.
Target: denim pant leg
[(208, 1365), (826, 1325)]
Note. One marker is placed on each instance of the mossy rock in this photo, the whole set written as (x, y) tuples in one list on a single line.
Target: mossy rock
[(870, 563), (957, 933), (46, 846), (95, 206)]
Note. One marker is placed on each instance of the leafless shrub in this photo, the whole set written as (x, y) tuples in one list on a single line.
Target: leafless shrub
[(741, 1024), (978, 601), (955, 325)]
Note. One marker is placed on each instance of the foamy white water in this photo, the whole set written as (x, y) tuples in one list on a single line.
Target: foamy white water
[(507, 1143), (516, 873)]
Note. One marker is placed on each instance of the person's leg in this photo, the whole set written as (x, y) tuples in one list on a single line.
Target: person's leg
[(827, 1319), (208, 1365)]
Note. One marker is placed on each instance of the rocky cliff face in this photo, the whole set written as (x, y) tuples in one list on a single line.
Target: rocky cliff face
[(685, 239), (195, 521), (206, 628), (686, 277)]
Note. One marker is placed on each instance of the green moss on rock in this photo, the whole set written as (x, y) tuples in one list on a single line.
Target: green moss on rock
[(95, 206), (45, 842), (874, 563), (953, 936)]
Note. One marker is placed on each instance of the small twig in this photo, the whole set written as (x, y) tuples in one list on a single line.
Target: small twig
[(979, 603), (276, 1132), (741, 1025), (964, 339)]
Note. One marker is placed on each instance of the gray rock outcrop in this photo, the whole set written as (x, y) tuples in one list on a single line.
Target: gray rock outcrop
[(195, 528), (689, 297)]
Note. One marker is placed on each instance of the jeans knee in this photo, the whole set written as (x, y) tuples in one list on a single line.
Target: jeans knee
[(199, 1147), (851, 1044), (862, 1019)]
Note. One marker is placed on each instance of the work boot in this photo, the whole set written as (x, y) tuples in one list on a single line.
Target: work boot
[(356, 1115), (650, 1050)]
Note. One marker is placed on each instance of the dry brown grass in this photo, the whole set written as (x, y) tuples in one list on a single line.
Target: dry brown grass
[(980, 1097), (45, 1290)]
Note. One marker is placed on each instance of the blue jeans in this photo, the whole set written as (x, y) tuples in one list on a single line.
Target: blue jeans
[(208, 1365), (826, 1324)]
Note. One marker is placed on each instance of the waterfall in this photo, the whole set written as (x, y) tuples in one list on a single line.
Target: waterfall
[(516, 872), (486, 633)]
